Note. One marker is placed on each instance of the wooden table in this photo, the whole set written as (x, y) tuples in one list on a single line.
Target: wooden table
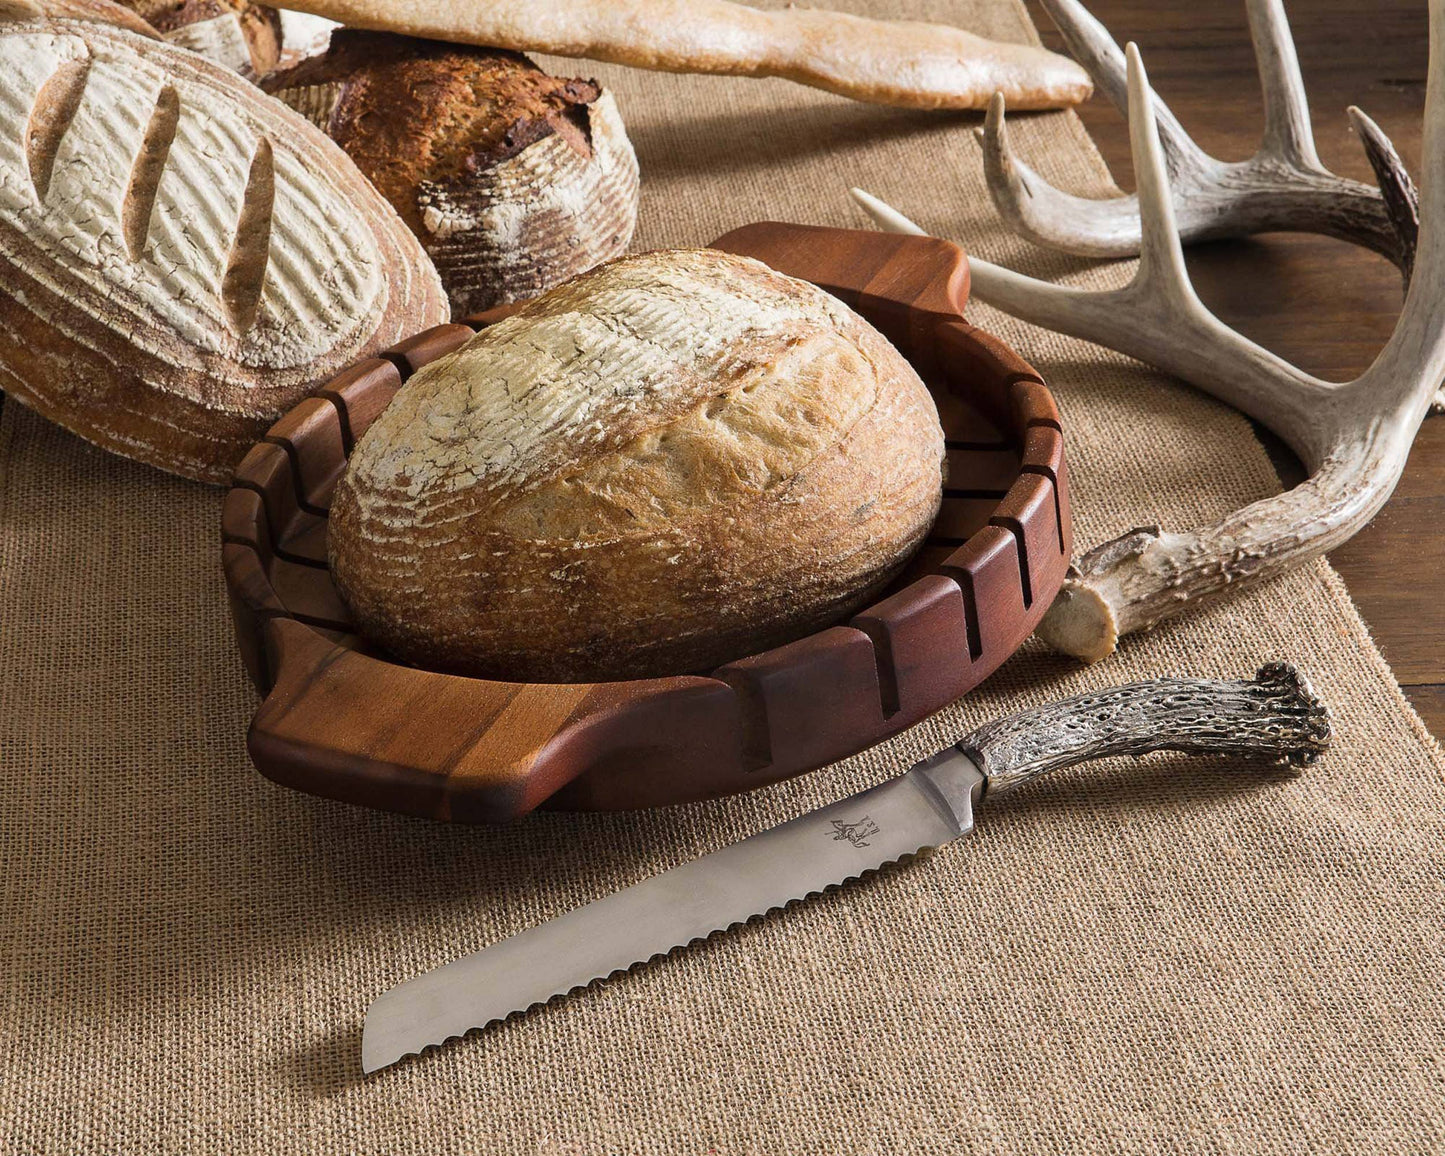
[(1321, 304)]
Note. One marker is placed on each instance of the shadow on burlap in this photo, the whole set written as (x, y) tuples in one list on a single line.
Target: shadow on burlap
[(1172, 955)]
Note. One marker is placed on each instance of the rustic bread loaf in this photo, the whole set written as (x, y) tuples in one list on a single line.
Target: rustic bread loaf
[(512, 179), (237, 33), (674, 460), (182, 258)]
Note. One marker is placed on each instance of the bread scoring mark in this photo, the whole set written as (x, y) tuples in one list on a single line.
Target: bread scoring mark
[(325, 280), (145, 177), (246, 269), (55, 107), (548, 181)]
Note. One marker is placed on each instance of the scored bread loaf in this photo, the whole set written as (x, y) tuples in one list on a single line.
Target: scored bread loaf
[(182, 258), (677, 459), (513, 180)]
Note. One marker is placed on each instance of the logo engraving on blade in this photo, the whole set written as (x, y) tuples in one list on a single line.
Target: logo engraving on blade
[(856, 833)]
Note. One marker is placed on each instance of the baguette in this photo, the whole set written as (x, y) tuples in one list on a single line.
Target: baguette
[(674, 460), (182, 258), (895, 62)]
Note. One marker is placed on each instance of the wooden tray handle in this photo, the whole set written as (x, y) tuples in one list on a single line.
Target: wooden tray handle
[(913, 281), (346, 725)]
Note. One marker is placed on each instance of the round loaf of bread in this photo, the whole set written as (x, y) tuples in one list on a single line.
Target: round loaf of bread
[(678, 459), (513, 179)]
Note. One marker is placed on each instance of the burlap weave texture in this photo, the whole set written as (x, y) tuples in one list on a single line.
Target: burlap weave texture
[(1174, 955)]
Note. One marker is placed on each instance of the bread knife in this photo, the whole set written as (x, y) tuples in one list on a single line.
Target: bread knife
[(1275, 715)]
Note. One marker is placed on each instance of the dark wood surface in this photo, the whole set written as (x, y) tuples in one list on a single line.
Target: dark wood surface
[(340, 719), (1322, 304)]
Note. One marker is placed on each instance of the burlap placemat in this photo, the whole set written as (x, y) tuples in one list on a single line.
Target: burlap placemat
[(1174, 955)]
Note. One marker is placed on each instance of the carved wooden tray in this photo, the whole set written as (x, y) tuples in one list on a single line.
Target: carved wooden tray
[(341, 719)]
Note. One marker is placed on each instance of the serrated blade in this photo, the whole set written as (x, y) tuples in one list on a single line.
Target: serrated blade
[(768, 870)]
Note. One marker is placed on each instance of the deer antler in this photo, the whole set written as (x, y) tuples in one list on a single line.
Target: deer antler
[(1352, 437), (1282, 188)]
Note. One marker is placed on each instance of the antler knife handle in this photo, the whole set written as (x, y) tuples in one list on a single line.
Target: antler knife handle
[(1276, 716)]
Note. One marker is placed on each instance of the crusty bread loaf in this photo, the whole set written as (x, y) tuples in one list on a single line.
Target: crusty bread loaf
[(513, 180), (237, 33), (181, 257), (677, 459)]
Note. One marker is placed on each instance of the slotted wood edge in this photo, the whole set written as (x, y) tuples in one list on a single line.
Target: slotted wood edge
[(343, 721)]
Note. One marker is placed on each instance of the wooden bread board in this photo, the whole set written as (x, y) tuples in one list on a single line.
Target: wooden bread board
[(342, 720)]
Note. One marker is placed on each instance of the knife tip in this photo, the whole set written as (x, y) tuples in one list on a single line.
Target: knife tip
[(380, 1047), (374, 1055)]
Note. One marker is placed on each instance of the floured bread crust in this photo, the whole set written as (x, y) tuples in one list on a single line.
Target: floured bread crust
[(182, 258), (514, 180), (675, 460)]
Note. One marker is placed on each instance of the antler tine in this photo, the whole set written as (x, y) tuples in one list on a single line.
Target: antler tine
[(1161, 257), (1287, 131), (1089, 42), (1402, 200), (1084, 226), (1046, 215), (889, 219), (1418, 342), (1282, 188)]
